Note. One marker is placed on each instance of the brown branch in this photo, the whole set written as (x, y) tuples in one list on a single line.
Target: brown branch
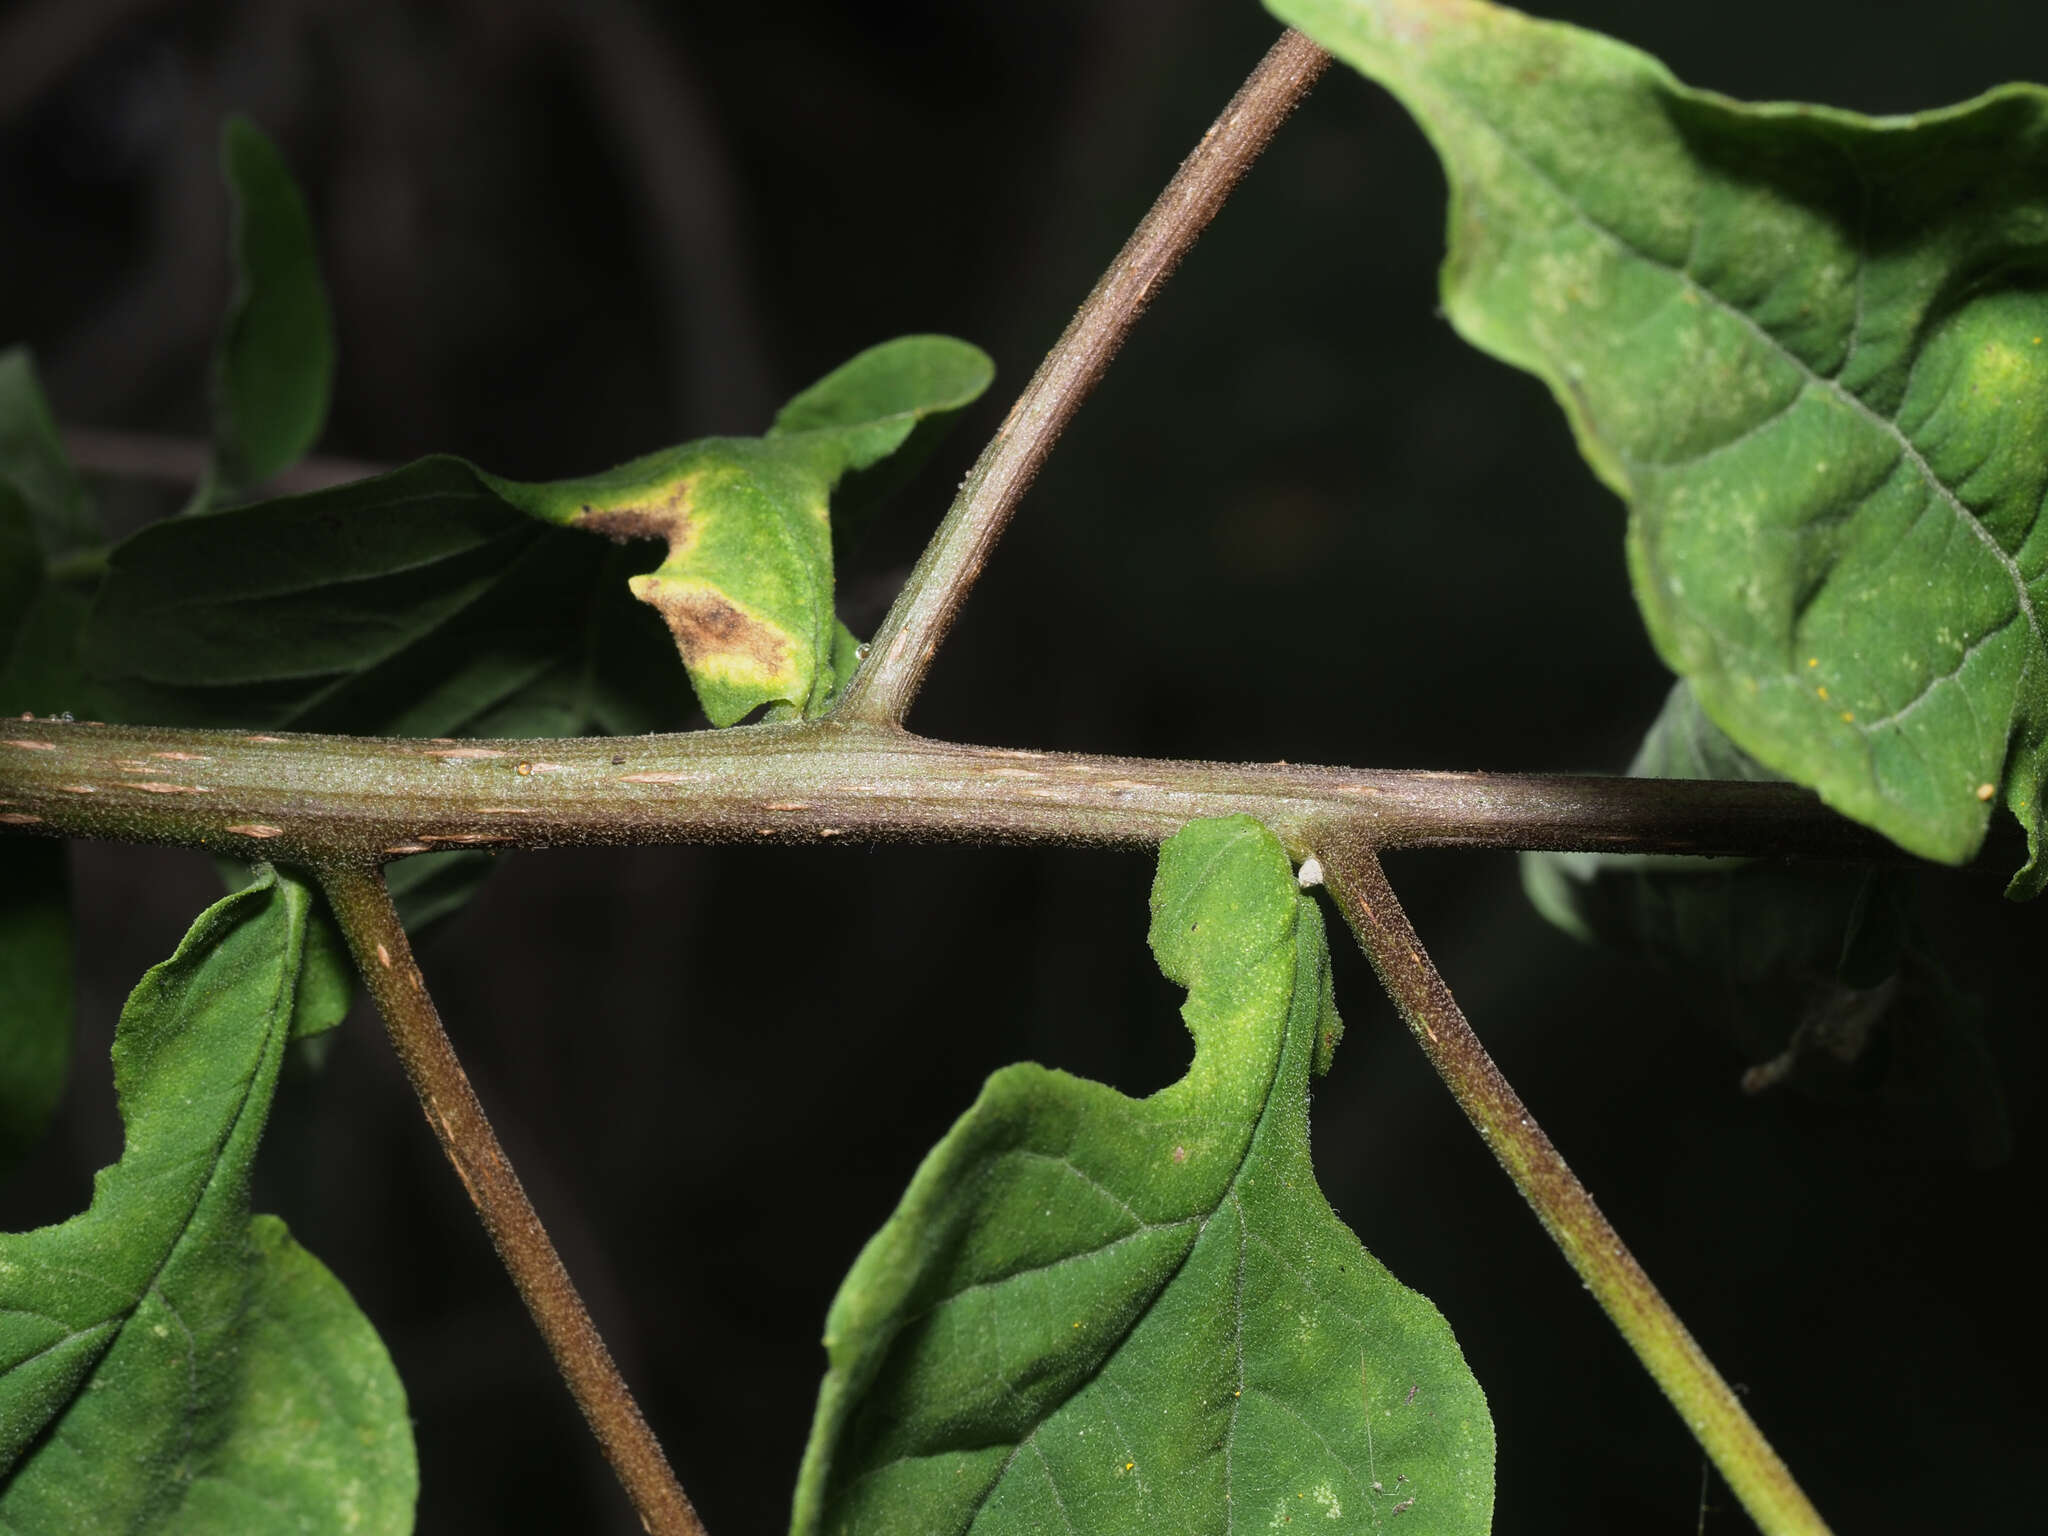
[(882, 690), (319, 799), (1711, 1411), (378, 941)]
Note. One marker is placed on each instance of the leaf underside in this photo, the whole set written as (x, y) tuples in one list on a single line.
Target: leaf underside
[(165, 1363), (1810, 349), (1819, 975), (1096, 1313)]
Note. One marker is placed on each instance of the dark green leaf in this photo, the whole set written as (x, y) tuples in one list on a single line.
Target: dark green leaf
[(34, 463), (147, 1345), (1818, 975), (415, 603), (1811, 351), (35, 984), (427, 602), (1098, 1314), (44, 516), (273, 368)]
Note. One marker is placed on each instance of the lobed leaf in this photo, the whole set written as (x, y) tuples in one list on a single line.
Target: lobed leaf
[(165, 1365), (1096, 1313), (1807, 347), (273, 367)]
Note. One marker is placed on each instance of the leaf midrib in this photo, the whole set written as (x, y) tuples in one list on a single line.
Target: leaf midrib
[(1228, 1197), (120, 1320)]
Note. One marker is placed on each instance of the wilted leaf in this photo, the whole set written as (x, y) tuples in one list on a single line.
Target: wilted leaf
[(273, 368), (747, 586), (1811, 351), (165, 1365), (1096, 1313)]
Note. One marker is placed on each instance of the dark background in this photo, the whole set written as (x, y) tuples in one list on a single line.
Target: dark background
[(1299, 520)]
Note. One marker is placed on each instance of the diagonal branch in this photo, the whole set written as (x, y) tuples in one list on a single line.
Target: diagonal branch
[(1711, 1411), (882, 691), (385, 959)]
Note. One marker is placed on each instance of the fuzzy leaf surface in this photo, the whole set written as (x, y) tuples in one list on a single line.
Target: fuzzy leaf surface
[(1093, 1313), (164, 1364), (1810, 350), (273, 369)]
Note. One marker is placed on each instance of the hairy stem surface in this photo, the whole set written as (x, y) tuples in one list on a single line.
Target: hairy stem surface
[(325, 799), (378, 941), (882, 690), (1711, 1411)]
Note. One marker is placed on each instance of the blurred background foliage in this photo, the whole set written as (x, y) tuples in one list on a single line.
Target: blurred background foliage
[(1299, 520)]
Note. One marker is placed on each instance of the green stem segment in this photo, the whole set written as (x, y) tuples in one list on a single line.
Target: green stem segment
[(882, 690), (1711, 1411), (376, 937)]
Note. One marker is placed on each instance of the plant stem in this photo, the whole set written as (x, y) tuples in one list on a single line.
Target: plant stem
[(882, 690), (1351, 868), (323, 799), (377, 938)]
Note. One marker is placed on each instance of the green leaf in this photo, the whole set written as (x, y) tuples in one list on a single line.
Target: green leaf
[(416, 603), (327, 974), (320, 1439), (1810, 349), (940, 376), (746, 589), (273, 367), (165, 1365), (33, 462), (437, 600), (44, 516), (1096, 1313), (35, 981)]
